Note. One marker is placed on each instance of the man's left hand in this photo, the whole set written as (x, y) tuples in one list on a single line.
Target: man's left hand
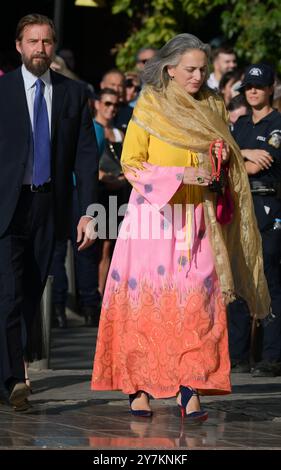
[(83, 234)]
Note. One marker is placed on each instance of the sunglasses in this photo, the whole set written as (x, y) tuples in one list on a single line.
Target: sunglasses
[(142, 61), (130, 84), (109, 103)]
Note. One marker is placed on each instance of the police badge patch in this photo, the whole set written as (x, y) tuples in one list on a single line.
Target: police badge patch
[(275, 139)]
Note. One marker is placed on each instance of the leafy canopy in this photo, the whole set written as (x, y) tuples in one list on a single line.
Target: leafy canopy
[(252, 26)]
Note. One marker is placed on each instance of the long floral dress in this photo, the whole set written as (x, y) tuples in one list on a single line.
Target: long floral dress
[(163, 320)]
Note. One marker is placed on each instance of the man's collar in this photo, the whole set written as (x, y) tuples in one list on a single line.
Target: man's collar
[(30, 79)]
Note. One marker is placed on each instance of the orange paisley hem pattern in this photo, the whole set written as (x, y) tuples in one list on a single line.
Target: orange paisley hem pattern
[(158, 342)]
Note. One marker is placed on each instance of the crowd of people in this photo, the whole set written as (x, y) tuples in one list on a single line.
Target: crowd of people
[(175, 277)]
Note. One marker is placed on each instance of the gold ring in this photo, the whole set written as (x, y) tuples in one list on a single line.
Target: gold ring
[(200, 179)]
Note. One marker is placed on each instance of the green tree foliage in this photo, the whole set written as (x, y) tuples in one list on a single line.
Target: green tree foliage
[(153, 22), (253, 26)]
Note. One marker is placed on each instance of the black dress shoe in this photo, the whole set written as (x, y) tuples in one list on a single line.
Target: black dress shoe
[(59, 319), (18, 397), (240, 367), (267, 369)]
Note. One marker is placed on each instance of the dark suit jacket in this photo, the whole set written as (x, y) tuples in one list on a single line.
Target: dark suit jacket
[(73, 144)]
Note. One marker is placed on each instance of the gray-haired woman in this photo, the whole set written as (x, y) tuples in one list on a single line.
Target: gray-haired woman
[(163, 329)]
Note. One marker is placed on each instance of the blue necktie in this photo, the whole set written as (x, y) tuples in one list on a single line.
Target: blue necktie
[(41, 137)]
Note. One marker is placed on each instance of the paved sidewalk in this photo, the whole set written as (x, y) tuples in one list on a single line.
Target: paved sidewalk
[(67, 415)]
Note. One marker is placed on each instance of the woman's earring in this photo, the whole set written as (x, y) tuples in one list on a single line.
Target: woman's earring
[(172, 77)]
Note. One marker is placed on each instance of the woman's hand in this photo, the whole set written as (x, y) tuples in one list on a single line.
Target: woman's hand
[(258, 156), (196, 176), (225, 151)]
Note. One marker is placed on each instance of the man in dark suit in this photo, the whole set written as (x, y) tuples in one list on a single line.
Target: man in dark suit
[(46, 134)]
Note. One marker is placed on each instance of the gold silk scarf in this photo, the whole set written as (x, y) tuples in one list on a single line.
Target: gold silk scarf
[(179, 119)]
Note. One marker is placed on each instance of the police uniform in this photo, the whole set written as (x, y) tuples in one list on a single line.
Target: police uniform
[(265, 135), (265, 188)]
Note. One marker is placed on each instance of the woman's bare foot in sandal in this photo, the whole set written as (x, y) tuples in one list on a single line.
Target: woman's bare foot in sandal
[(140, 402), (189, 404), (193, 403)]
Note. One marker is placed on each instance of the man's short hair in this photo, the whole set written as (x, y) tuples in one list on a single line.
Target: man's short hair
[(143, 49), (222, 50), (106, 91), (112, 71)]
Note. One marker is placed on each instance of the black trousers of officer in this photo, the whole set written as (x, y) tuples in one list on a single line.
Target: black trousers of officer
[(239, 317), (25, 255)]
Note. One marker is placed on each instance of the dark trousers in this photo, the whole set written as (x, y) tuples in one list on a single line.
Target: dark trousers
[(25, 254), (85, 264), (269, 333), (239, 329)]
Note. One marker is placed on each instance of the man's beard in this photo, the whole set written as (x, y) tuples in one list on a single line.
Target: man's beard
[(37, 68)]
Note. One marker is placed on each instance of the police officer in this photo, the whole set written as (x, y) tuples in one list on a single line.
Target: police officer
[(258, 135)]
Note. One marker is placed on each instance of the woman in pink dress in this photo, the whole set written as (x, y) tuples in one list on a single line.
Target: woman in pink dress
[(183, 252)]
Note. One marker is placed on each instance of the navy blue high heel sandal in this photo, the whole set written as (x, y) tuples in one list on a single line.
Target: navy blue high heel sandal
[(186, 394), (142, 413)]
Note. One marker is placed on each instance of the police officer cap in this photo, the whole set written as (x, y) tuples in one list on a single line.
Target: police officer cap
[(258, 74)]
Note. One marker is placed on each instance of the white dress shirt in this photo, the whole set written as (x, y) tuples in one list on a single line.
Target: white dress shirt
[(212, 82), (29, 85)]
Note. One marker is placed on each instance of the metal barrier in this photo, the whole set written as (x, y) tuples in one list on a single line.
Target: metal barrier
[(46, 314), (46, 310), (70, 273)]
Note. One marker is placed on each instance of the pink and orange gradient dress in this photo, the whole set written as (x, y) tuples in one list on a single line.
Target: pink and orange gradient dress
[(163, 321)]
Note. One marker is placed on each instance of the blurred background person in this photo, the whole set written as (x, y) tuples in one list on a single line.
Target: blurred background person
[(229, 84), (111, 179), (133, 87), (115, 80), (143, 55), (68, 56), (224, 60), (58, 65), (237, 107)]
